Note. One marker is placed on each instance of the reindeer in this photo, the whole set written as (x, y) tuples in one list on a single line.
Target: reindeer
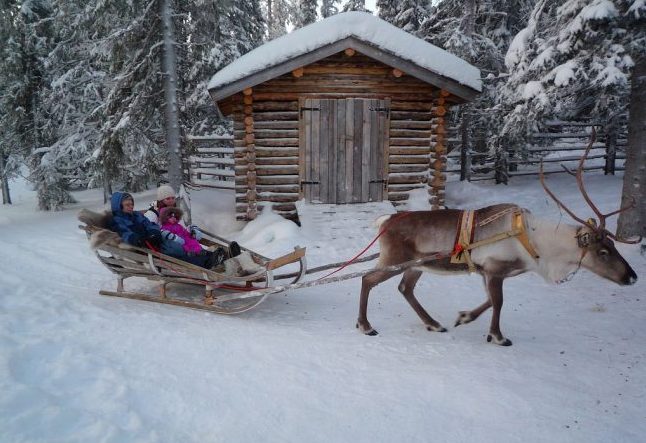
[(497, 242)]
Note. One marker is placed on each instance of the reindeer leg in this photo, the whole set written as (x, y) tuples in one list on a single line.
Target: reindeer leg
[(494, 291), (465, 317), (368, 282), (406, 287)]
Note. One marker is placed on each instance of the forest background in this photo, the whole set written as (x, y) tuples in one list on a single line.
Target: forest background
[(105, 93)]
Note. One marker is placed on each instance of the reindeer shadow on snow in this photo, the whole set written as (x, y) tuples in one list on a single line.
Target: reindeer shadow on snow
[(497, 242)]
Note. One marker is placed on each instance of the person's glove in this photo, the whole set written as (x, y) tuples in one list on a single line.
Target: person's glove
[(195, 232), (173, 237), (153, 239)]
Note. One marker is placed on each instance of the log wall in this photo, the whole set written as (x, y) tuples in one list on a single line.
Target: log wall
[(266, 130)]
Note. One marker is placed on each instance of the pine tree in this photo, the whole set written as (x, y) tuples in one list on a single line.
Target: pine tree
[(387, 10), (478, 32), (278, 15), (214, 34), (36, 129), (10, 84), (569, 62), (305, 13), (74, 99), (329, 8), (355, 5), (410, 15)]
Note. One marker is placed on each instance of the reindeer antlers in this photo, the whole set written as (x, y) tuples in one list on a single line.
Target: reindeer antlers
[(579, 179)]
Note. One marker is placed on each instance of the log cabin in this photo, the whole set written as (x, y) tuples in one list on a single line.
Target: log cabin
[(349, 109)]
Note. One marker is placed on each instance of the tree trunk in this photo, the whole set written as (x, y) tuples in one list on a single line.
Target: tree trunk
[(4, 182), (633, 222), (171, 114), (467, 26), (107, 188)]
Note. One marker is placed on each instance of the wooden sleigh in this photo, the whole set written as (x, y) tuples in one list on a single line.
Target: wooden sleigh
[(222, 293)]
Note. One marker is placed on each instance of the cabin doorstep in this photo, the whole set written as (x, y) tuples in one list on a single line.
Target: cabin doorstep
[(346, 110)]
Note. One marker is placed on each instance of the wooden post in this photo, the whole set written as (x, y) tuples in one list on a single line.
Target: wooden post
[(162, 289), (500, 166), (120, 283), (438, 154), (250, 157), (208, 295)]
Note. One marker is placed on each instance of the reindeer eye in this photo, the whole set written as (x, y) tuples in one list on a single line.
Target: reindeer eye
[(603, 253)]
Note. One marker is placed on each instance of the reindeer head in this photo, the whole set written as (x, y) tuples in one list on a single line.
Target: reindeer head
[(598, 252)]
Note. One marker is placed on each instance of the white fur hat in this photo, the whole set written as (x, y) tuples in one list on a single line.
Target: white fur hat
[(165, 191)]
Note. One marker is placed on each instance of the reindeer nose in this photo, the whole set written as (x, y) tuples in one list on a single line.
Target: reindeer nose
[(632, 278)]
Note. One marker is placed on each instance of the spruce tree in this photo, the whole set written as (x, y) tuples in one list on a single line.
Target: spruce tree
[(10, 85), (305, 13), (279, 14), (355, 5), (387, 10), (329, 8)]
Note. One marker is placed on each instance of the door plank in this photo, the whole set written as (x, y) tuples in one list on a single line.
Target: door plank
[(315, 164), (339, 147), (369, 122)]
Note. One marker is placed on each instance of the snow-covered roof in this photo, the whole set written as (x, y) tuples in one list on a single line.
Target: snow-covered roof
[(360, 30)]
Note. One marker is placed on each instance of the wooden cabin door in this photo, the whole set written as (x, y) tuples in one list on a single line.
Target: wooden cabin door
[(343, 144)]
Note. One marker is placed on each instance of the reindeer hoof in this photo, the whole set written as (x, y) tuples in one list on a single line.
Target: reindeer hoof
[(368, 331), (464, 317), (436, 328), (497, 341)]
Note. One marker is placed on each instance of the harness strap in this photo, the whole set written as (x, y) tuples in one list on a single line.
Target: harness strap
[(519, 225), (465, 237), (464, 242)]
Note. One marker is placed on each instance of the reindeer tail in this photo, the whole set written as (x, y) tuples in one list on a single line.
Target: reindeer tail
[(381, 220)]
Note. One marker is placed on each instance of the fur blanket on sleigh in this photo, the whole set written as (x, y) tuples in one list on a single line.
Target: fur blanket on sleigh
[(101, 222)]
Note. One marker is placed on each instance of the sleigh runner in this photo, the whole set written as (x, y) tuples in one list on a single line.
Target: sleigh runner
[(223, 292)]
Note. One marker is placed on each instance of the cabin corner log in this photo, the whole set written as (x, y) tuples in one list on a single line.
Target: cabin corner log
[(249, 140), (438, 158)]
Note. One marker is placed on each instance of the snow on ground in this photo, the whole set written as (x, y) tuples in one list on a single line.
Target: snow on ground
[(78, 367)]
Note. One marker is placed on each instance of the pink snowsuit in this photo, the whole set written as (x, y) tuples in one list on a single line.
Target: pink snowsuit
[(190, 244)]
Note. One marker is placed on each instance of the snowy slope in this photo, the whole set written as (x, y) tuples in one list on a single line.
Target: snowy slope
[(78, 367)]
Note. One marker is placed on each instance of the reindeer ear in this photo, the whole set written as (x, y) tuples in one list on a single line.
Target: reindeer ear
[(592, 222)]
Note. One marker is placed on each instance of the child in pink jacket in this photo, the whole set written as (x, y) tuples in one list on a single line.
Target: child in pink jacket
[(172, 230), (169, 218)]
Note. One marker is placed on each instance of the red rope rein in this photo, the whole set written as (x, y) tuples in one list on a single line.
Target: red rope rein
[(381, 232)]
